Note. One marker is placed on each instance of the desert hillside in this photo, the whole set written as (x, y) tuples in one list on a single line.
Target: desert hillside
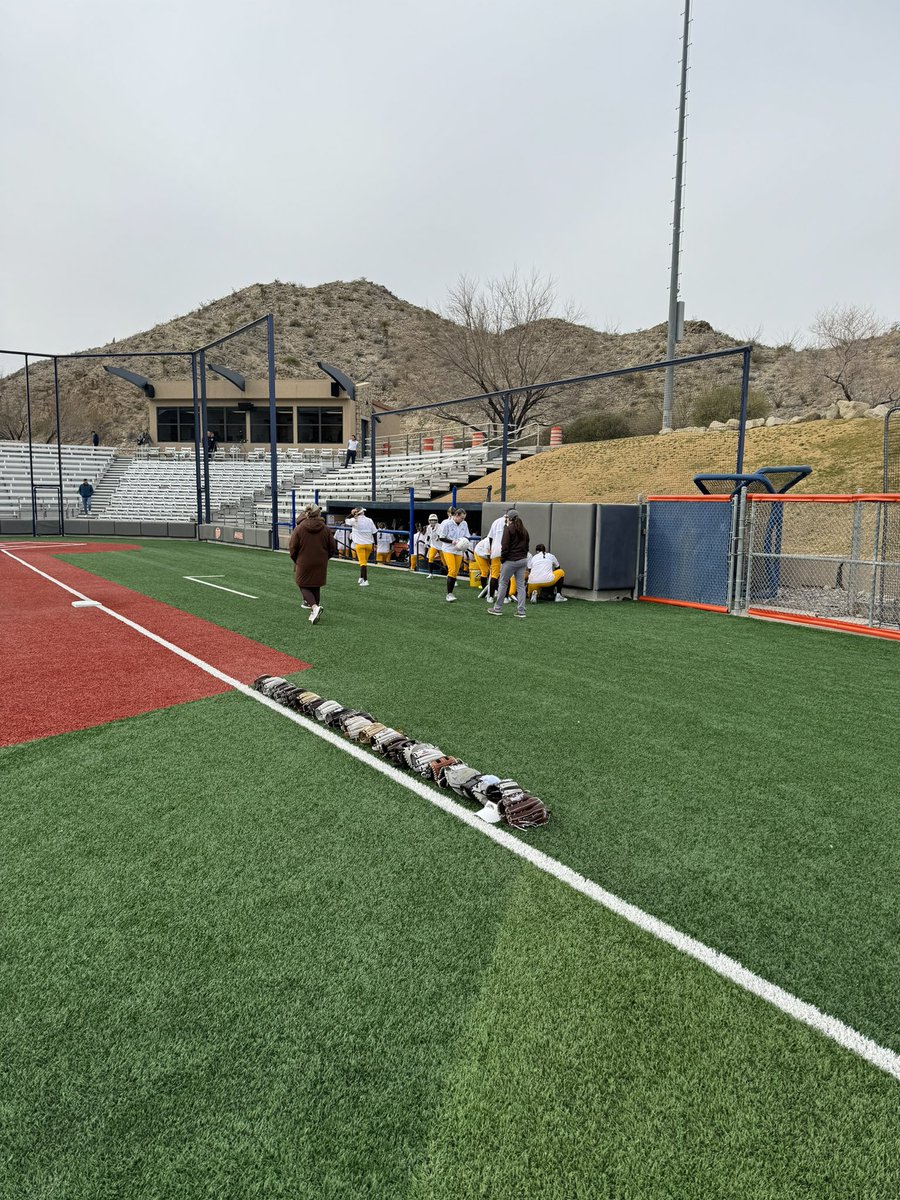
[(845, 456)]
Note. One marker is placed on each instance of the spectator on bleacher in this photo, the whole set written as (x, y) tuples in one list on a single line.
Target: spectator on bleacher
[(454, 542), (514, 560), (362, 535), (352, 447), (95, 438), (385, 540), (212, 444), (86, 492), (312, 544), (544, 572)]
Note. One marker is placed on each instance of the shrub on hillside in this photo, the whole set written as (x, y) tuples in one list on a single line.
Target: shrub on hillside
[(599, 427), (724, 403)]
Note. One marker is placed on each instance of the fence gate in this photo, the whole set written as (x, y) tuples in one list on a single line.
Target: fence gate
[(828, 561), (689, 551)]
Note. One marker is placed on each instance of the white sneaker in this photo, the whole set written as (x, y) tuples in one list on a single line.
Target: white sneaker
[(429, 576), (364, 583), (559, 599), (450, 597), (305, 605), (508, 599), (315, 614)]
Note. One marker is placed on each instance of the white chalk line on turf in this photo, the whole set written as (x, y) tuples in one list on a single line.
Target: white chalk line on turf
[(807, 1014)]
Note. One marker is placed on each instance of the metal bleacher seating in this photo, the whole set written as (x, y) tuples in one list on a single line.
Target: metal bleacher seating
[(78, 463)]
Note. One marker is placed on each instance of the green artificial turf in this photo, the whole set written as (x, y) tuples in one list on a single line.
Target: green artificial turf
[(736, 778), (237, 963)]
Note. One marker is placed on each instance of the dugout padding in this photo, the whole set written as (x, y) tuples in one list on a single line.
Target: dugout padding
[(154, 529), (616, 547), (574, 542), (78, 526), (15, 525), (537, 519), (102, 528)]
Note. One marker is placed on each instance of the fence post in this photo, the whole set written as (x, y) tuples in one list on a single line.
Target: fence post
[(196, 400), (374, 435), (878, 507), (30, 450), (453, 495), (855, 548), (505, 448), (62, 519), (745, 395), (204, 429), (412, 526), (273, 451)]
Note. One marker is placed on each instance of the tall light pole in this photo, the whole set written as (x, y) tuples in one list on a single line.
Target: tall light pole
[(676, 309)]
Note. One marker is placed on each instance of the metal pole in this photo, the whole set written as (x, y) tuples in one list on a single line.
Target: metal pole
[(315, 495), (373, 431), (878, 507), (453, 495), (745, 395), (270, 352), (62, 519), (30, 450), (505, 448), (671, 337), (204, 429), (412, 526), (196, 400), (293, 507)]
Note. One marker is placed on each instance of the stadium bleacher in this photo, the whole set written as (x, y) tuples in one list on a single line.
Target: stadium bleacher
[(78, 463)]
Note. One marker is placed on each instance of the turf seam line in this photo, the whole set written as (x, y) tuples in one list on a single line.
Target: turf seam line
[(723, 965)]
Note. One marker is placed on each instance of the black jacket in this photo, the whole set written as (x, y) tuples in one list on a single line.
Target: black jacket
[(514, 546)]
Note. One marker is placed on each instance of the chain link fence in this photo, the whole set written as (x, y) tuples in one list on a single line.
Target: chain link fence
[(830, 559), (688, 551), (892, 450)]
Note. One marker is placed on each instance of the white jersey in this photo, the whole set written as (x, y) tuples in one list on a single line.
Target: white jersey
[(385, 541), (483, 548), (420, 543), (541, 567), (452, 532), (363, 530), (495, 533), (432, 536)]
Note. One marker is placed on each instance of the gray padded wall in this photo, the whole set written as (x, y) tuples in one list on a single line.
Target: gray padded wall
[(154, 529), (102, 528), (616, 547), (77, 526), (489, 514), (181, 529), (127, 528), (574, 528), (537, 519), (15, 525)]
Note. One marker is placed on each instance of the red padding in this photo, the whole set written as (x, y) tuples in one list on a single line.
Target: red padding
[(65, 668)]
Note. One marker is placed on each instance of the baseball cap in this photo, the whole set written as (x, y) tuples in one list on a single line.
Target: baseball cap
[(512, 513), (432, 516)]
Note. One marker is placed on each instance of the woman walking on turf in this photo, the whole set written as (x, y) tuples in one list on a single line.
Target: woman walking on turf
[(513, 563), (312, 544)]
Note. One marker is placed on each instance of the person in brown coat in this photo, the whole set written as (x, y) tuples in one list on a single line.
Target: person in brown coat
[(312, 544)]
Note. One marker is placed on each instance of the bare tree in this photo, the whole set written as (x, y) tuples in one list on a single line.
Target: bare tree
[(854, 364), (506, 334)]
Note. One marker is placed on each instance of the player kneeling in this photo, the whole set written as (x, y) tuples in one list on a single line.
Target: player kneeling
[(544, 572)]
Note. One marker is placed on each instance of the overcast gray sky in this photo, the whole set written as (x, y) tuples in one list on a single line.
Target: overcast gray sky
[(157, 155)]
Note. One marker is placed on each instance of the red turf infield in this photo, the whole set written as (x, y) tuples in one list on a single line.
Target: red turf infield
[(65, 668)]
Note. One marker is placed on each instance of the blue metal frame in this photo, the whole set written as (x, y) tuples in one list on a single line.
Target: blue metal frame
[(508, 393)]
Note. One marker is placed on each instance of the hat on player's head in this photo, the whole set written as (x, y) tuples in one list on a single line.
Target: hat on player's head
[(512, 513), (432, 516), (354, 512)]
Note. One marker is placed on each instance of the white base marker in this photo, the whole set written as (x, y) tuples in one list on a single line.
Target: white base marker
[(728, 968)]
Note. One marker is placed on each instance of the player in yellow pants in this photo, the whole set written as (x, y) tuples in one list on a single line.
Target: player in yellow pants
[(453, 538), (363, 538), (384, 540), (544, 572)]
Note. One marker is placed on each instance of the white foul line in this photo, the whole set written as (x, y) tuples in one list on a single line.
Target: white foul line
[(203, 579), (831, 1027)]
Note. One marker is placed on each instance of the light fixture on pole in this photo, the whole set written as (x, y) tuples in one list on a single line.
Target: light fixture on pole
[(138, 381), (232, 376)]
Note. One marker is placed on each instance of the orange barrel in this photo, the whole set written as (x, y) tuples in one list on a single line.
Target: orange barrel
[(477, 439), (556, 435), (448, 441), (427, 444)]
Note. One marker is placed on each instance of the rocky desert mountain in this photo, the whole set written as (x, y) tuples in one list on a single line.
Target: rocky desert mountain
[(377, 337)]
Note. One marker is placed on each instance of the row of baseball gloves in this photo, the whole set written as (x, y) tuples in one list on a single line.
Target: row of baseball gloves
[(501, 799)]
